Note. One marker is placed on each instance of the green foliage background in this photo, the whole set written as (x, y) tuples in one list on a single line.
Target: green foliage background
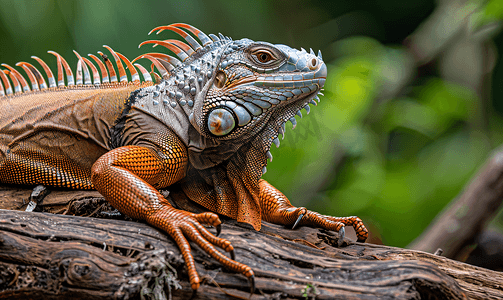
[(394, 163)]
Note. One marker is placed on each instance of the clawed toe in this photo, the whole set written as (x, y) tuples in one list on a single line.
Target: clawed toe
[(219, 229), (342, 233)]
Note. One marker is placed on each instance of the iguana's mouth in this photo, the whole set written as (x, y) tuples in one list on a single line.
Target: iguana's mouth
[(246, 80)]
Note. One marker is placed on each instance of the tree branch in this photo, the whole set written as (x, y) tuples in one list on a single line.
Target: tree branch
[(46, 255)]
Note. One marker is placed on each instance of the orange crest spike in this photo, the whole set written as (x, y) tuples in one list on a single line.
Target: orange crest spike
[(31, 77), (19, 77), (158, 28), (36, 79), (131, 68), (96, 74), (144, 72), (104, 73), (78, 75), (186, 36), (171, 46), (7, 86), (158, 65), (15, 82), (110, 67), (120, 67), (61, 81), (68, 70), (48, 72), (81, 65), (186, 48), (169, 67), (168, 58), (200, 35)]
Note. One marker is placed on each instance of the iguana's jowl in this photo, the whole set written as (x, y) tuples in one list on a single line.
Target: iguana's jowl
[(204, 125)]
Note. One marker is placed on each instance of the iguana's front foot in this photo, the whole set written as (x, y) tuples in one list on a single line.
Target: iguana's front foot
[(276, 208), (181, 225)]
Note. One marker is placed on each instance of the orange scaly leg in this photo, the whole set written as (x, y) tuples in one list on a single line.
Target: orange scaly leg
[(277, 209), (128, 177)]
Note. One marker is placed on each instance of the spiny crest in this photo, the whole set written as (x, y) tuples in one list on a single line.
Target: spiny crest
[(166, 63), (14, 82), (83, 72)]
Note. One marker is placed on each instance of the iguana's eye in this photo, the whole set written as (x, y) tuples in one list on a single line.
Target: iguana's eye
[(263, 56)]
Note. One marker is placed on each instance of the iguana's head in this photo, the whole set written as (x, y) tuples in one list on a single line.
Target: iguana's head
[(257, 83), (236, 91)]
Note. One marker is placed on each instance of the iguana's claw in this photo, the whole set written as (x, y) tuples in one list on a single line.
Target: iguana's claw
[(37, 195), (219, 229), (342, 233), (298, 220), (233, 255), (251, 281)]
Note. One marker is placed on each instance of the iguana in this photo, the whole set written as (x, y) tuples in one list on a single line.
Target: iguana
[(204, 127)]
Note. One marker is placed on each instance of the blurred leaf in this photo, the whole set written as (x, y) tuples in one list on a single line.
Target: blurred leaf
[(412, 115), (448, 100), (492, 11)]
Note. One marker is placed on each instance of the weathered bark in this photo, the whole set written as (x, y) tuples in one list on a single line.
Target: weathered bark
[(465, 218), (54, 256)]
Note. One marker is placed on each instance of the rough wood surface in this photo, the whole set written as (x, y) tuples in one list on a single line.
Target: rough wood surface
[(52, 256), (63, 256)]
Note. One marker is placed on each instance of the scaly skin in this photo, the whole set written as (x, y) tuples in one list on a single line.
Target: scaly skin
[(206, 126)]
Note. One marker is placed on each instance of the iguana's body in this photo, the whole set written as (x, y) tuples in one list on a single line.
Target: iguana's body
[(70, 127), (206, 128)]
